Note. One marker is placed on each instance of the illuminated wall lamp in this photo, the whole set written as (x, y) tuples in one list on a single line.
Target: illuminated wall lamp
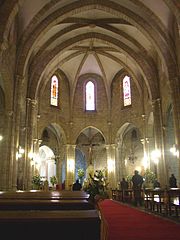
[(20, 152), (1, 137), (155, 155), (174, 151), (110, 164)]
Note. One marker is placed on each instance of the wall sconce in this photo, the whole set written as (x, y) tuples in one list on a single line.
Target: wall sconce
[(20, 152), (1, 137), (145, 161), (174, 151), (155, 155), (31, 155), (110, 164)]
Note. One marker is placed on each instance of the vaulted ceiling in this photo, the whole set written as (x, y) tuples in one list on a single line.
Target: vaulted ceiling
[(95, 36)]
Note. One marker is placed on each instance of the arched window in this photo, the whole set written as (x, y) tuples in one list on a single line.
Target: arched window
[(54, 91), (126, 91), (90, 96)]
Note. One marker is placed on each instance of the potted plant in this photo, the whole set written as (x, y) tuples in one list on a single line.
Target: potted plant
[(96, 186), (81, 174), (53, 180), (149, 178), (36, 181)]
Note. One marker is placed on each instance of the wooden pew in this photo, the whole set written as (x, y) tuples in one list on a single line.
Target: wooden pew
[(44, 204), (39, 194), (65, 225), (174, 202)]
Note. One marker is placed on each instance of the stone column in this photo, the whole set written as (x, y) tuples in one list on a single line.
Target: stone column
[(18, 99), (70, 166), (159, 141), (31, 144), (6, 147), (145, 142), (111, 150)]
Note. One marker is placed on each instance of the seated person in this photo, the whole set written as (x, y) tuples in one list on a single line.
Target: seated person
[(76, 186)]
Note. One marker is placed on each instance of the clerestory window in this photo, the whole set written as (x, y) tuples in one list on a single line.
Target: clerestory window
[(54, 90), (90, 96), (126, 91)]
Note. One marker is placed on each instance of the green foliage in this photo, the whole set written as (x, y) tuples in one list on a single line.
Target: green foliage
[(81, 173), (149, 176), (97, 184), (53, 180), (36, 180), (129, 178)]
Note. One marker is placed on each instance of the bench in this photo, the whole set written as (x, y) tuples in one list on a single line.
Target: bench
[(44, 204), (39, 194), (66, 225)]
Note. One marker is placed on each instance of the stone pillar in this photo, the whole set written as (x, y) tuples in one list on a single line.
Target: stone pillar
[(6, 147), (111, 150), (32, 141), (175, 93), (145, 142), (159, 141), (59, 162), (18, 99), (70, 166)]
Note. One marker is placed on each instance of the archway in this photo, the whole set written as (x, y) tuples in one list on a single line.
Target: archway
[(91, 144), (130, 154), (46, 165)]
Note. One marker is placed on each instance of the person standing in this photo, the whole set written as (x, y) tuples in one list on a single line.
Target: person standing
[(172, 181), (77, 186), (137, 181), (124, 187), (124, 184)]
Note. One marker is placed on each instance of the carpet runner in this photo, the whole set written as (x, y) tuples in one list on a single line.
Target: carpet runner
[(128, 223)]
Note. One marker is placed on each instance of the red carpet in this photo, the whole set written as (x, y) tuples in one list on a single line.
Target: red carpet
[(128, 223)]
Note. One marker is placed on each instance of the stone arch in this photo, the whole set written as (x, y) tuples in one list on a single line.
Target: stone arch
[(91, 142), (55, 138), (129, 153)]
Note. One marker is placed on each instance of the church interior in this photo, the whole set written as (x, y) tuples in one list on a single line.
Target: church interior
[(85, 87)]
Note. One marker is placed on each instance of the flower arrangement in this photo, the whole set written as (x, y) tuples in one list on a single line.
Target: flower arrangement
[(36, 181), (53, 180), (149, 176), (81, 173), (96, 185), (149, 179)]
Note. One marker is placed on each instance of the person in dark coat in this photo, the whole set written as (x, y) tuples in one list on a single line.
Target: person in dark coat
[(172, 181), (124, 184), (77, 186), (137, 181)]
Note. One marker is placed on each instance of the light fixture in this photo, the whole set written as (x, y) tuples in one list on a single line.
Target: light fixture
[(1, 137), (20, 152), (155, 155), (132, 158), (110, 164), (174, 150)]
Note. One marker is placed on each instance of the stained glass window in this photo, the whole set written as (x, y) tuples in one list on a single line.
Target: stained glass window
[(90, 96), (54, 91), (126, 91)]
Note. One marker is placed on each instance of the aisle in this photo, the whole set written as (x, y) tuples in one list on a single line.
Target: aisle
[(125, 222)]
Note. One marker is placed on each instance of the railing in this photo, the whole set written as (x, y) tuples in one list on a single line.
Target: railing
[(161, 201)]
